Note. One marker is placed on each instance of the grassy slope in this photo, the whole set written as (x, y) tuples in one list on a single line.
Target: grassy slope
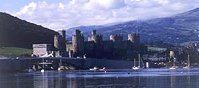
[(14, 51)]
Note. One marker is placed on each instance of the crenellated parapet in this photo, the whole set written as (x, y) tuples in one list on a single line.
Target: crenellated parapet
[(135, 38), (95, 38), (116, 37)]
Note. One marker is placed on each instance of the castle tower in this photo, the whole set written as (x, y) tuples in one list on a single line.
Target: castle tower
[(57, 42), (60, 44), (63, 41), (63, 34), (78, 42), (99, 38), (94, 37), (112, 38), (93, 32), (135, 38), (116, 38), (130, 38)]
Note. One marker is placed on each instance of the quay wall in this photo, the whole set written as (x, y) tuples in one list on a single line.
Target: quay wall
[(20, 64)]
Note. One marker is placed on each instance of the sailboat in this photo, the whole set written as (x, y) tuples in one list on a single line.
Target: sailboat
[(42, 70), (188, 62), (174, 65), (46, 65), (61, 66), (137, 67)]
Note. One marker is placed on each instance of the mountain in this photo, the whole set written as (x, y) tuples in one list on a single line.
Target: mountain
[(15, 32), (179, 28), (84, 29)]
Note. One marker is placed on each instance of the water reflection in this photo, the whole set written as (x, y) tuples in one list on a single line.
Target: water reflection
[(48, 81), (53, 80), (15, 81), (116, 79)]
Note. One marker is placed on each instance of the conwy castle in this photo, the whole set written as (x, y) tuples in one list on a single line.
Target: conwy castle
[(114, 48)]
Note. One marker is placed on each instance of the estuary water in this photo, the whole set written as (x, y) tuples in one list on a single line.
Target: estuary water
[(120, 78)]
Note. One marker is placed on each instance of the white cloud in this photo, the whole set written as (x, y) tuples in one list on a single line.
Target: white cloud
[(73, 13), (105, 4), (29, 9)]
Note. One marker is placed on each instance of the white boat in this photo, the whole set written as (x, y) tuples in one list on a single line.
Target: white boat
[(174, 65), (42, 70), (103, 69), (137, 67), (61, 68), (93, 69)]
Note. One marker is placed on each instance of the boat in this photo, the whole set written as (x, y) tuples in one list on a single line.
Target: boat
[(103, 69), (94, 69), (137, 67), (42, 70), (46, 65), (61, 68), (188, 62), (174, 65)]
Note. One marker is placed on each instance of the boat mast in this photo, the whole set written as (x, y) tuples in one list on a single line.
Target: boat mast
[(43, 63), (60, 62), (134, 63), (188, 61), (139, 60)]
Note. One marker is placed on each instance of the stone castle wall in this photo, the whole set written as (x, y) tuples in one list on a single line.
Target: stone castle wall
[(95, 47)]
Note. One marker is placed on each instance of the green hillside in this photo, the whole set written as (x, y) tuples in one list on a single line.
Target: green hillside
[(15, 32), (14, 51)]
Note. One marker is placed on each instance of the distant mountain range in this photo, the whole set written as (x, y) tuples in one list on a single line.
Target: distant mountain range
[(179, 28), (15, 32)]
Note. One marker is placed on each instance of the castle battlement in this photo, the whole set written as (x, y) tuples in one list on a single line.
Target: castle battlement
[(96, 47)]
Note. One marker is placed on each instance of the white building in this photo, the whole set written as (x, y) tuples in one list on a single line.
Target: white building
[(40, 50)]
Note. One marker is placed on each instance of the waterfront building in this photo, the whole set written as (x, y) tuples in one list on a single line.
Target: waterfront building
[(42, 49), (58, 49)]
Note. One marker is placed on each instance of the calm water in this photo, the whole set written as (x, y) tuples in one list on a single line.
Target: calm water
[(144, 78)]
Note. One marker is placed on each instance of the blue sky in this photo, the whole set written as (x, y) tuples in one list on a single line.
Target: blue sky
[(63, 14), (12, 5), (15, 5)]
